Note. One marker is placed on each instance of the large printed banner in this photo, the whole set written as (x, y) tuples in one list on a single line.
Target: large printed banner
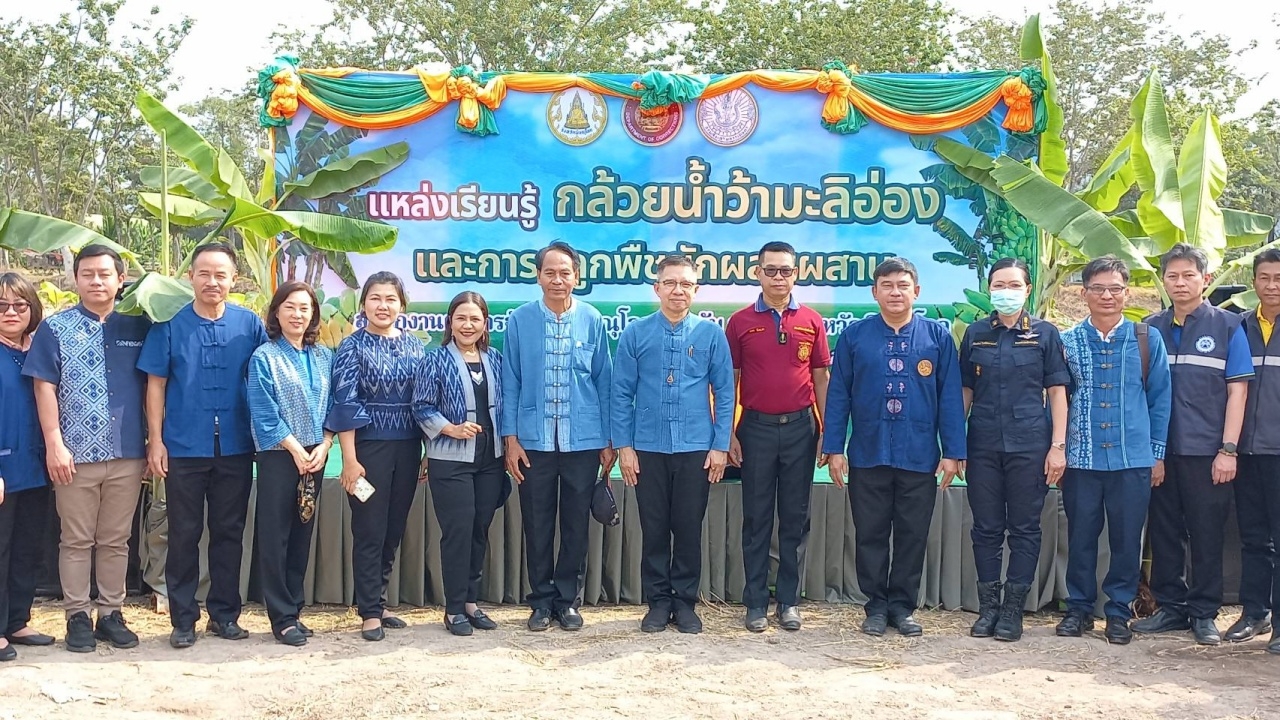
[(713, 179)]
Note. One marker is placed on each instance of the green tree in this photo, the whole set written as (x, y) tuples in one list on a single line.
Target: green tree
[(1253, 154), (1101, 53), (231, 123), (566, 36), (876, 35), (70, 145)]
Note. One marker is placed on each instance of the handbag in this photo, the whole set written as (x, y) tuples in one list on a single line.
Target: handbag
[(307, 493), (604, 508)]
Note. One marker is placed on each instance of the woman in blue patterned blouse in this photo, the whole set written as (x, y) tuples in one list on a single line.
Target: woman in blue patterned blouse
[(24, 487), (373, 376), (288, 400), (457, 400)]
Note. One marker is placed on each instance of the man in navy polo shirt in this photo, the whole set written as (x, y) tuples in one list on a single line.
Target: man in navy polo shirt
[(780, 361), (89, 397), (198, 420)]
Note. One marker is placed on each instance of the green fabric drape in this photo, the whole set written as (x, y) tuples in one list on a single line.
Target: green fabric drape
[(367, 94), (928, 95), (664, 88)]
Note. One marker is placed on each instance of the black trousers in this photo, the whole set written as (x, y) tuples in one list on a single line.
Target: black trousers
[(671, 495), (889, 503), (23, 517), (557, 481), (223, 484), (1006, 495), (777, 476), (1188, 511), (377, 525), (1257, 489), (284, 541), (465, 496)]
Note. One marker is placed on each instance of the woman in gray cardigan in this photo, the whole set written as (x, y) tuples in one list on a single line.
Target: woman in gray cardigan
[(457, 401)]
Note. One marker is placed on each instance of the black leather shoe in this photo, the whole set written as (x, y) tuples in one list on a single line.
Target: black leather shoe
[(907, 625), (789, 617), (291, 636), (540, 619), (80, 634), (182, 638), (35, 640), (458, 624), (687, 621), (875, 624), (1242, 630), (227, 631), (480, 621), (1206, 631), (988, 610), (375, 635), (1075, 624), (1273, 646), (113, 629), (391, 622), (1163, 621), (306, 631), (7, 653), (1118, 632), (569, 619), (657, 619), (757, 619)]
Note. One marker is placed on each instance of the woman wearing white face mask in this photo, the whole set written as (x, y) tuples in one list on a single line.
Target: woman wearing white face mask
[(1011, 363)]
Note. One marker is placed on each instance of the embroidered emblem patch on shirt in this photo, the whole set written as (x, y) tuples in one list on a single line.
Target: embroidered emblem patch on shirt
[(1205, 344), (804, 349), (925, 368)]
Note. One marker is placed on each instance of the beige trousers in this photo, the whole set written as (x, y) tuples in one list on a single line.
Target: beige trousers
[(97, 511)]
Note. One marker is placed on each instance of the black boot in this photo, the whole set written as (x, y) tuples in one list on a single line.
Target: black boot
[(1010, 625), (988, 610)]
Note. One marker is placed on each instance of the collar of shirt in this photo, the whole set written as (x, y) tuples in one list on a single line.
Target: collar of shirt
[(1023, 323), (558, 317), (1107, 336), (761, 307), (915, 317), (1194, 313), (676, 328)]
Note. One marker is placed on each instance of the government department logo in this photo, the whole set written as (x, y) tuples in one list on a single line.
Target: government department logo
[(576, 116), (729, 119), (652, 129), (1206, 344)]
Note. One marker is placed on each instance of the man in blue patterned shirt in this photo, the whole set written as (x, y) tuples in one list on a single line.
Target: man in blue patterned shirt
[(89, 396), (556, 376), (1117, 425)]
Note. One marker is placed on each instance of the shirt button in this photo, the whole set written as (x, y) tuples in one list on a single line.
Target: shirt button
[(1104, 405)]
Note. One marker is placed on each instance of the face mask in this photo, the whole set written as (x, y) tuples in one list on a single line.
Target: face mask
[(1008, 302)]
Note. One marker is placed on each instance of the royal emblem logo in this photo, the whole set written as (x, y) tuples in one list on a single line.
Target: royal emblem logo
[(729, 119), (1205, 344), (656, 129), (576, 116), (804, 350), (925, 368)]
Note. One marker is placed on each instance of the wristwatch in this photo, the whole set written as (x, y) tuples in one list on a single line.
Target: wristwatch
[(1229, 449), (1059, 446)]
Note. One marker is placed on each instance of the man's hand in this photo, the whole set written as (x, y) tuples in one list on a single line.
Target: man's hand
[(714, 465), (1055, 464), (837, 468), (949, 469), (157, 458), (352, 470), (822, 457), (61, 466), (1224, 468), (608, 456), (514, 456), (629, 464), (735, 451), (1157, 473)]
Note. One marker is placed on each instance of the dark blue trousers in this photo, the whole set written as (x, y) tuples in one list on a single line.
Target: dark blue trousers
[(1006, 495), (1119, 498), (1257, 489)]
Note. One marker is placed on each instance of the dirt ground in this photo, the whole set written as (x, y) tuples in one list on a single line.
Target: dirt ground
[(612, 670)]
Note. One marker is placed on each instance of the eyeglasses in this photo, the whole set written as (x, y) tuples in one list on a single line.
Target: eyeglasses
[(673, 284), (785, 272), (18, 307), (1101, 290)]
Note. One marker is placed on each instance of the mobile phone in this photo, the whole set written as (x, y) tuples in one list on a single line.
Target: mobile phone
[(363, 489)]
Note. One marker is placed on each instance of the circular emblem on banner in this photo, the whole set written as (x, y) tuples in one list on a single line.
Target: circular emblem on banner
[(1205, 344), (729, 119), (894, 406), (925, 368), (652, 129), (896, 364), (577, 116)]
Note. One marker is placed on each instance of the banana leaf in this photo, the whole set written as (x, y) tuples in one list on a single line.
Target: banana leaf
[(1053, 160), (185, 182), (953, 183), (22, 230), (182, 210), (349, 173), (1240, 270), (341, 234), (212, 163), (1246, 300), (1127, 222), (159, 296), (969, 162), (960, 239), (950, 258), (1202, 176), (1113, 179), (1244, 229), (983, 135), (1155, 165), (1136, 314)]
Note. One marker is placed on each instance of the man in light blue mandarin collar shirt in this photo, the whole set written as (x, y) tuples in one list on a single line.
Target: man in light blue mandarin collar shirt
[(556, 376), (671, 445)]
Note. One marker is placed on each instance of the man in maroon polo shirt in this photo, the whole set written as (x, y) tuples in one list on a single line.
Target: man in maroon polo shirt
[(781, 362)]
